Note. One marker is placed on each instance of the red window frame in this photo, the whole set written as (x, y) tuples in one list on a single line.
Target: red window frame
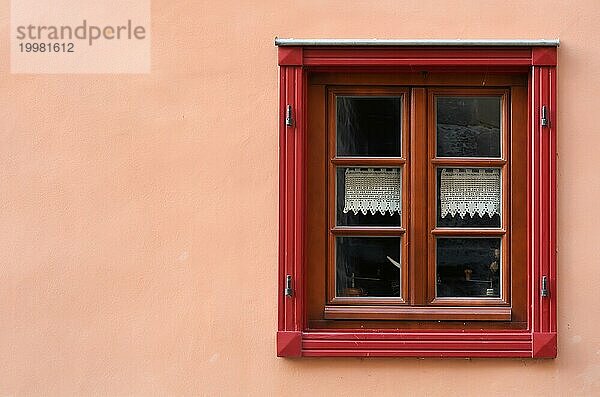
[(296, 61)]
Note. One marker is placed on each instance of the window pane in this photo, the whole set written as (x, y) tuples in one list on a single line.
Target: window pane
[(368, 126), (368, 196), (469, 197), (368, 266), (468, 126), (468, 267)]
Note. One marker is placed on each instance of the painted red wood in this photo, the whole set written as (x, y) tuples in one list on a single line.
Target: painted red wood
[(290, 56), (544, 171), (282, 200), (543, 56), (416, 57), (290, 200), (423, 335), (544, 209), (300, 178), (289, 344), (416, 345), (539, 340), (544, 345), (535, 202), (552, 175), (531, 114), (419, 353)]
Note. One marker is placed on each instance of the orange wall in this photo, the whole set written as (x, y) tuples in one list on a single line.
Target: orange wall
[(138, 214)]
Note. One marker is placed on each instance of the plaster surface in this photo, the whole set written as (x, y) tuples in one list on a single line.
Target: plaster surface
[(138, 213)]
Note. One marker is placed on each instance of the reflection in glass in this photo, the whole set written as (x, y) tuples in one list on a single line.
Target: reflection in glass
[(468, 197), (368, 126), (468, 267), (368, 197), (368, 266), (468, 126)]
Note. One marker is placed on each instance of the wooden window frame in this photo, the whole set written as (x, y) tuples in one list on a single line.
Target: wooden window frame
[(298, 61), (421, 304), (371, 161), (503, 162)]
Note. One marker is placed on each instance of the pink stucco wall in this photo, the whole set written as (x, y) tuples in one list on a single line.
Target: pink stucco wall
[(138, 214)]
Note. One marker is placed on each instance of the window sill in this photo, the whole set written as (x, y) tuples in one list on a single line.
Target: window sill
[(417, 344)]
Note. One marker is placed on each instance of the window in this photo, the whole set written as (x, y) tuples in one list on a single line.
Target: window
[(417, 200), (374, 205)]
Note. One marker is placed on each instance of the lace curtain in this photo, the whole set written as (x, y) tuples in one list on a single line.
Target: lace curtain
[(462, 191), (472, 191), (373, 191)]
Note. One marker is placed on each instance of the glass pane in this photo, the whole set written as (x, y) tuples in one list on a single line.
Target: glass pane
[(468, 267), (468, 197), (468, 126), (368, 196), (368, 126), (368, 266)]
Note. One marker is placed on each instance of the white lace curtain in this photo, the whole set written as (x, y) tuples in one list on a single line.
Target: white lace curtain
[(373, 191), (462, 191), (472, 191)]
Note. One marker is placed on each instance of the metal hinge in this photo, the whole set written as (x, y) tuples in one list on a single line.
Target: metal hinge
[(545, 293), (289, 120), (288, 291), (545, 121)]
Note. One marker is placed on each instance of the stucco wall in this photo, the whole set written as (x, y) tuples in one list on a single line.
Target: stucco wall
[(138, 214)]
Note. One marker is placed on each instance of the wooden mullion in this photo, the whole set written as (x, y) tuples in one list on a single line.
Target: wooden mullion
[(467, 162), (431, 200), (330, 184), (375, 162), (467, 232), (368, 231), (382, 312), (473, 301), (368, 300), (417, 251)]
